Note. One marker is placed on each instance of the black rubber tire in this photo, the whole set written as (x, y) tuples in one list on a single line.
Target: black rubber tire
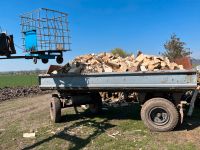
[(35, 60), (167, 106), (96, 107), (55, 109), (45, 61), (59, 59)]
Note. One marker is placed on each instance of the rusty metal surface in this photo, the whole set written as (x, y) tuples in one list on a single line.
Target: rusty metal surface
[(53, 68), (185, 61)]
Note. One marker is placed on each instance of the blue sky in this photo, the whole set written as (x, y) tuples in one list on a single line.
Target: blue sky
[(101, 25)]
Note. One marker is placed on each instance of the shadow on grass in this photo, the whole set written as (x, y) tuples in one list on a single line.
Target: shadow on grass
[(78, 142), (122, 113), (130, 112), (191, 123)]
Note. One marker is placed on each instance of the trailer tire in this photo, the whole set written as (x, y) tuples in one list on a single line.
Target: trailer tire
[(96, 107), (159, 115), (45, 60), (35, 60), (59, 59), (55, 109)]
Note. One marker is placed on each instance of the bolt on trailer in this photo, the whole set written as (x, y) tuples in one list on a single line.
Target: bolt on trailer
[(160, 93)]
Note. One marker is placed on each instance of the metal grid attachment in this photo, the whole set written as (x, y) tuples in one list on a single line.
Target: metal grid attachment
[(46, 30)]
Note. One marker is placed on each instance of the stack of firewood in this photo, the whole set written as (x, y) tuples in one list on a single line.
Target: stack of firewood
[(107, 62)]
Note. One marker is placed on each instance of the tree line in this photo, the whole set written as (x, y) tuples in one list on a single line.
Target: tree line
[(174, 48)]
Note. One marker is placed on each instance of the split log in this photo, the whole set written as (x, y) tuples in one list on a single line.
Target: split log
[(107, 62)]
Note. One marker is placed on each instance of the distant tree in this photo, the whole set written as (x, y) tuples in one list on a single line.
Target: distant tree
[(175, 48), (120, 52)]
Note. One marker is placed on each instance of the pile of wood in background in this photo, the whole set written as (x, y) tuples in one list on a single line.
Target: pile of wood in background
[(107, 62), (11, 93)]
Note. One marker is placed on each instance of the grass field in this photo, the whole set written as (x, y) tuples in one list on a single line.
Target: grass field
[(116, 128), (18, 80)]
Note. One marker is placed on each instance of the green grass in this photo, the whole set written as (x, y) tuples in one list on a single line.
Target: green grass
[(18, 80), (86, 131), (115, 128)]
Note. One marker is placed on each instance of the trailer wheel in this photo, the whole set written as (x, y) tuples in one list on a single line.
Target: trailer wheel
[(96, 107), (59, 59), (55, 109), (45, 61), (159, 115), (35, 60)]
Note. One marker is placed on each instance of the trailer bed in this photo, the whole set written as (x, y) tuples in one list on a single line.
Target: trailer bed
[(160, 93), (159, 80)]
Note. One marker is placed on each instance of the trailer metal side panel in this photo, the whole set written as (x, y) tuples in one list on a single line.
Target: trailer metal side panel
[(119, 81)]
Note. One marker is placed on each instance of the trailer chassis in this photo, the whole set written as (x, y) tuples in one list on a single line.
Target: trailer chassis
[(159, 93)]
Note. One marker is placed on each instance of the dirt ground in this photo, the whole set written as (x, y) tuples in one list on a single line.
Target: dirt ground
[(115, 128)]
